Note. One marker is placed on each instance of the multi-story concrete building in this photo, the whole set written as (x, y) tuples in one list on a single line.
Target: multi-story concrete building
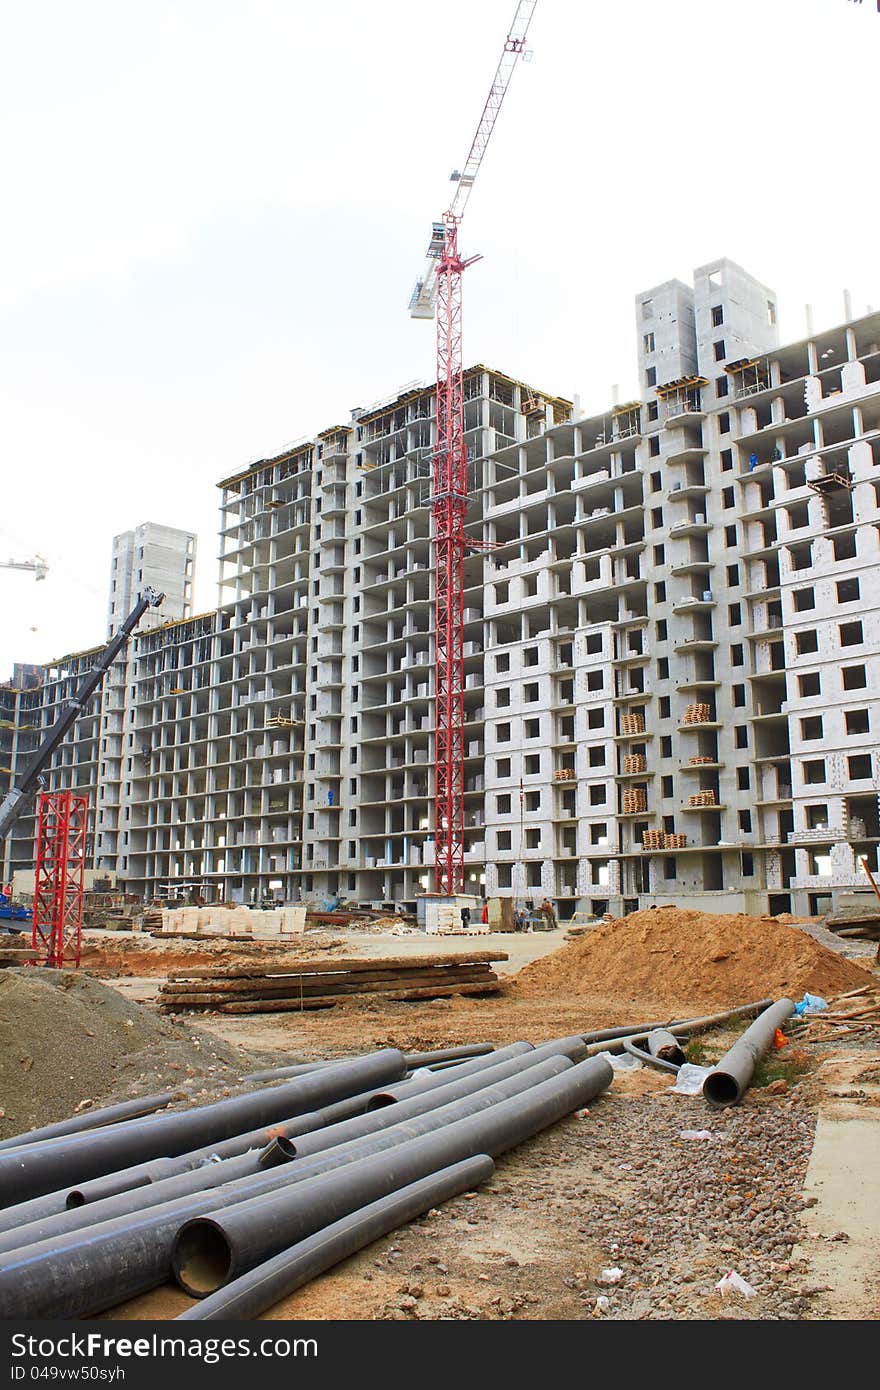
[(672, 641), (297, 758), (159, 557)]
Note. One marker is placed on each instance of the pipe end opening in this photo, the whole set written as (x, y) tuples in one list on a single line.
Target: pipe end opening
[(720, 1088), (202, 1258), (75, 1199), (379, 1102)]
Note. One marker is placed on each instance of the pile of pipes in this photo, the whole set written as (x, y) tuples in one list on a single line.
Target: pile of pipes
[(322, 983), (244, 1200)]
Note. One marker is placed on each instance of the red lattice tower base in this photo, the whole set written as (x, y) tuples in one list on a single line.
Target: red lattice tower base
[(60, 863)]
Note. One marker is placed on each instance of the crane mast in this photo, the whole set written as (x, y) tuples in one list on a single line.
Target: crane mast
[(439, 294)]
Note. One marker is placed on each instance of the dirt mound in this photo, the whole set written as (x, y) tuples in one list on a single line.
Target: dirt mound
[(66, 1039), (672, 954)]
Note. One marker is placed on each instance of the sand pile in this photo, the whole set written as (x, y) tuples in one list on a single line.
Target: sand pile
[(65, 1039), (672, 954)]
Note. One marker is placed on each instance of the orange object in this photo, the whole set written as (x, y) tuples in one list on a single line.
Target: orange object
[(779, 1040)]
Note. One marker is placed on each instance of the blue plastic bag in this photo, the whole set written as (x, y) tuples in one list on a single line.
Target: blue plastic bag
[(811, 1004)]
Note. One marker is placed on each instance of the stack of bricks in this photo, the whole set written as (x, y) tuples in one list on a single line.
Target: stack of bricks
[(632, 723), (699, 760), (637, 762), (702, 799), (635, 799), (698, 714)]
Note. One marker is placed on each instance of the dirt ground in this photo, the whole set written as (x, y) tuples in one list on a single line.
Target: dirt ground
[(619, 1187)]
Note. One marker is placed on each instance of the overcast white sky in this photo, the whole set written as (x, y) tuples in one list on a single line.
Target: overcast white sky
[(214, 212)]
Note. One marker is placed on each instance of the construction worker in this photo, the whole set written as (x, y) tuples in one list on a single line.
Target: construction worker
[(548, 912)]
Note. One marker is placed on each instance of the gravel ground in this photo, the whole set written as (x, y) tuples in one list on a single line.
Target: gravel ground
[(685, 1210)]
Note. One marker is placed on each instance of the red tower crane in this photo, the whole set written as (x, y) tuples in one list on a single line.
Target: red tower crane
[(441, 286)]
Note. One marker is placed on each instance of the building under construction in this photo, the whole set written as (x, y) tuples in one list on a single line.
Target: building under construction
[(672, 645)]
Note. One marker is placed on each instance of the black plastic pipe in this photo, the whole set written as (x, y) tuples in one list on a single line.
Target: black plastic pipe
[(79, 1216), (157, 1169), (686, 1027), (52, 1225), (422, 1115), (261, 1288), (90, 1155), (83, 1272), (661, 1051), (647, 1059), (412, 1059), (729, 1080), (236, 1176), (212, 1250), (412, 1085), (447, 1054), (402, 1090), (124, 1180), (664, 1047), (90, 1119), (426, 1103), (287, 1073)]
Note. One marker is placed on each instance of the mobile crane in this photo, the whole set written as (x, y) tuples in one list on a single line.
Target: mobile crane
[(54, 880)]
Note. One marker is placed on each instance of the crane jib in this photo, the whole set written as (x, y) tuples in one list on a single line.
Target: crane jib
[(13, 804)]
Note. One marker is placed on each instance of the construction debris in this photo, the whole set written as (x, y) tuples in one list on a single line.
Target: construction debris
[(321, 984)]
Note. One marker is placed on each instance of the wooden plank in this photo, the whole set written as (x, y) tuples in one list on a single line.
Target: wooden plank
[(323, 984), (255, 1007), (338, 965), (443, 992), (291, 1005), (211, 1000)]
